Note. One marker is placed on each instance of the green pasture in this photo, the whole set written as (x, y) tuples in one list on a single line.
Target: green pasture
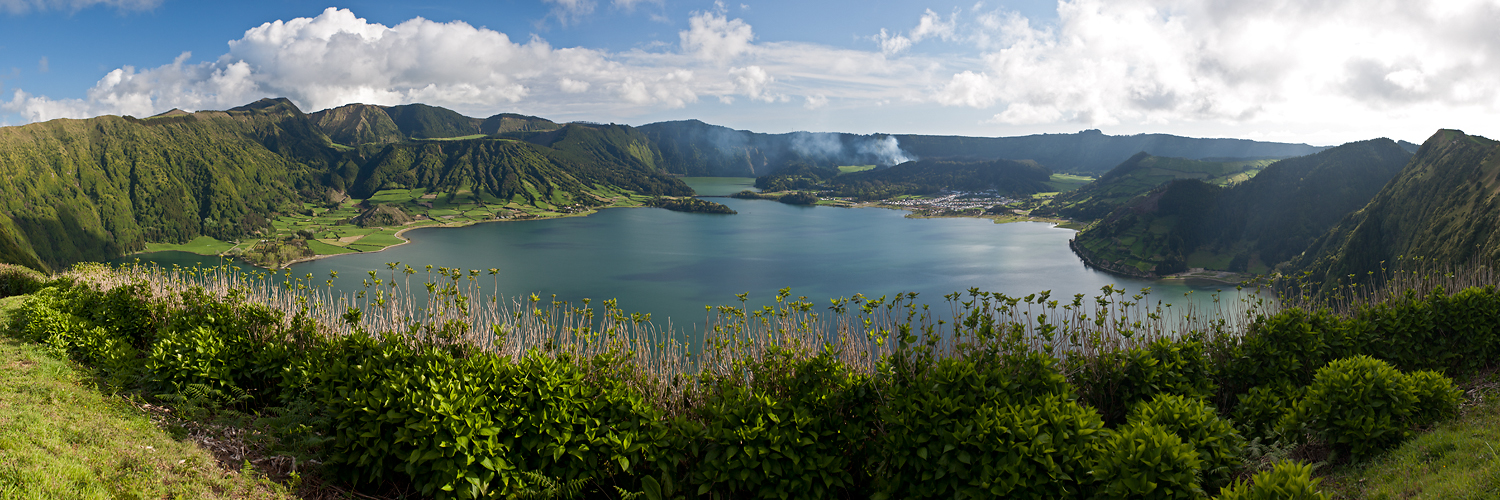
[(1061, 183), (202, 245)]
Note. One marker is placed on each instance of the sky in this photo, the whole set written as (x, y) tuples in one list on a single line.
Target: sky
[(1320, 72)]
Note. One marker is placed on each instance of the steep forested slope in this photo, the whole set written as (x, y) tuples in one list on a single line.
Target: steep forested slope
[(1138, 176), (76, 190), (933, 175), (420, 121), (355, 124), (1442, 207), (1091, 151), (1252, 225), (93, 189)]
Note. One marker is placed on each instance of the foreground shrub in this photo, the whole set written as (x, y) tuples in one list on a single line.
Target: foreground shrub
[(459, 424), (1358, 405), (1113, 382), (794, 430), (1219, 445), (1004, 428), (1262, 409), (20, 280), (1147, 461), (1437, 398), (45, 319), (1286, 347), (1285, 481)]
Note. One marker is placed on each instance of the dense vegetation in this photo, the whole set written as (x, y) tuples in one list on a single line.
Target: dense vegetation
[(692, 147), (81, 190), (688, 204), (94, 189), (930, 176), (1249, 226), (1093, 400), (1138, 176), (1441, 208), (1092, 152), (796, 176)]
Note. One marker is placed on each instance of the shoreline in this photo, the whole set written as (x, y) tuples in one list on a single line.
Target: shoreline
[(397, 235)]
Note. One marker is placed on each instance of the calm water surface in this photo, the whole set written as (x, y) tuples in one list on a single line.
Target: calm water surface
[(672, 264)]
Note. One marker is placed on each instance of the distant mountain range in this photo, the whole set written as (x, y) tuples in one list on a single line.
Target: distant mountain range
[(94, 189)]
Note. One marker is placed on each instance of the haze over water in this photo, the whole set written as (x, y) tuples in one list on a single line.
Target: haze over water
[(672, 264)]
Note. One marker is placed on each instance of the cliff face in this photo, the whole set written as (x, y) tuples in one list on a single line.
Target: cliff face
[(1442, 208)]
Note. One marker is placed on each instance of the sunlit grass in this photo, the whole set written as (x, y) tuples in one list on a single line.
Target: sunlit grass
[(849, 169), (1457, 459), (202, 245), (1061, 183), (61, 438)]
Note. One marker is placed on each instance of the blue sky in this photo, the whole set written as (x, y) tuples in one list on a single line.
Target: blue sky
[(1316, 72)]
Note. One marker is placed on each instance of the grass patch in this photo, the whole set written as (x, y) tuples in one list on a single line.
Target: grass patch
[(202, 245), (61, 438), (849, 169), (1457, 459), (460, 138), (322, 248), (1061, 183)]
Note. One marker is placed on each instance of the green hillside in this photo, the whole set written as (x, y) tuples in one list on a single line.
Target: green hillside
[(356, 124), (420, 121), (932, 175), (96, 189), (1138, 176), (511, 122), (1250, 226), (505, 170), (1442, 208)]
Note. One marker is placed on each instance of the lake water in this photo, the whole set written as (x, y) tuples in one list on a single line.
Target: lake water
[(672, 264)]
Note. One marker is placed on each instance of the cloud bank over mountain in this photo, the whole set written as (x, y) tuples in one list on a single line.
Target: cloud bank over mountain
[(1133, 64)]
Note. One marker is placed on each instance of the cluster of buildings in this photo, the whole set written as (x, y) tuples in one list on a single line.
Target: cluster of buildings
[(954, 201)]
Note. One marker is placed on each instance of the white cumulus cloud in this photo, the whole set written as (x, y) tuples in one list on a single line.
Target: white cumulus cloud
[(713, 37), (1158, 61)]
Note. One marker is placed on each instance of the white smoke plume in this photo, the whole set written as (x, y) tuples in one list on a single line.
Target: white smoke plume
[(886, 150)]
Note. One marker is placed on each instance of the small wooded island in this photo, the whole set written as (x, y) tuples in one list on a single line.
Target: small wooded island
[(689, 204)]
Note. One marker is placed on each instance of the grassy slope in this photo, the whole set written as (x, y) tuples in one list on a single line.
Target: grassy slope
[(1457, 459), (1139, 175), (60, 438)]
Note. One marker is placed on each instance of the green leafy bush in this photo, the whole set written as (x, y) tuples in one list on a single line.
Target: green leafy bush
[(20, 280), (465, 425), (1358, 405), (1436, 331), (1261, 409), (784, 428), (1288, 346), (1114, 381), (1219, 445), (1285, 481), (1437, 398), (1147, 461), (956, 430)]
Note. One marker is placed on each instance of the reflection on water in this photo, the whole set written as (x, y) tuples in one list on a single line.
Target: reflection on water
[(672, 264)]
